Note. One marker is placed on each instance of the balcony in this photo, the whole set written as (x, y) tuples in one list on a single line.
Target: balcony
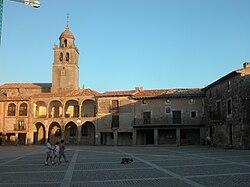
[(20, 127)]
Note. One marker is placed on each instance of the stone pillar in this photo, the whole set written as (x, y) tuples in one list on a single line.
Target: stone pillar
[(79, 134), (155, 136), (80, 110), (4, 138), (178, 136), (97, 138), (63, 132), (16, 138), (134, 137), (46, 133), (115, 140), (46, 130)]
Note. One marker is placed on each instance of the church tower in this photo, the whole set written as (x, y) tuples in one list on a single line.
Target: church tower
[(65, 70)]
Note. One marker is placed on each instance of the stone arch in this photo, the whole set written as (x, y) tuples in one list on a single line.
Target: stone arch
[(39, 134), (40, 109), (55, 132), (71, 133), (71, 109), (88, 108), (55, 109), (87, 133)]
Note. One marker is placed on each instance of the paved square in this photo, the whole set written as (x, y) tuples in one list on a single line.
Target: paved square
[(101, 166)]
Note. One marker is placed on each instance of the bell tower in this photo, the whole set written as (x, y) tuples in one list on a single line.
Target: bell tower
[(65, 70)]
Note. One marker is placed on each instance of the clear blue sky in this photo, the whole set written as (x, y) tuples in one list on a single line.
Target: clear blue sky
[(157, 44)]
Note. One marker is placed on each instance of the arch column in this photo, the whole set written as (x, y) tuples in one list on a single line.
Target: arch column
[(155, 136), (80, 110), (134, 137), (98, 138), (178, 136), (63, 131), (115, 140), (79, 134)]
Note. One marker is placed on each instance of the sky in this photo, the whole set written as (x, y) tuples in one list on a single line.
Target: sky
[(123, 44)]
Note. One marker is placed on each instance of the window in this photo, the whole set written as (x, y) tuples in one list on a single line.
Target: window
[(11, 109), (191, 101), (210, 94), (176, 117), (67, 57), (115, 106), (218, 110), (84, 130), (146, 117), (168, 110), (23, 109), (65, 43), (167, 101), (193, 114), (61, 57), (229, 107), (115, 121), (144, 102)]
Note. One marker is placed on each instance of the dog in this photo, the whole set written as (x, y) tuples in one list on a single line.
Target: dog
[(126, 160)]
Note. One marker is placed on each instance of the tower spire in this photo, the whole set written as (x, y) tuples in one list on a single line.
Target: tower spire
[(67, 23)]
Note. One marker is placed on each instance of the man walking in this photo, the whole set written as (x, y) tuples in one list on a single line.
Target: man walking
[(49, 150)]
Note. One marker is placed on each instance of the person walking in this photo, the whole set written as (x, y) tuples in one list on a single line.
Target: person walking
[(208, 138), (56, 154), (62, 153), (49, 150)]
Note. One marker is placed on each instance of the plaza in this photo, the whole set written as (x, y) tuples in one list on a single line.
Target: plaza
[(151, 166)]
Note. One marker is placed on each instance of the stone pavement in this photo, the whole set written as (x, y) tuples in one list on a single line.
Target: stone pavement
[(100, 166)]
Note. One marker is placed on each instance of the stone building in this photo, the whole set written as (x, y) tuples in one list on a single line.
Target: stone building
[(32, 113), (227, 109)]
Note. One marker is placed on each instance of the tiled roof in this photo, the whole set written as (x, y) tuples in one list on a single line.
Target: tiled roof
[(169, 93), (24, 85), (242, 71), (118, 93), (68, 93)]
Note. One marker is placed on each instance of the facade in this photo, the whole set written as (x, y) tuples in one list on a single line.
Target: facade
[(227, 109), (32, 113)]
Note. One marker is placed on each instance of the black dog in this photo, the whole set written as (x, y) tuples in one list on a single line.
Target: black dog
[(126, 160)]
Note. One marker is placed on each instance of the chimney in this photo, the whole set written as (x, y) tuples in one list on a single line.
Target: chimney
[(139, 89), (246, 65)]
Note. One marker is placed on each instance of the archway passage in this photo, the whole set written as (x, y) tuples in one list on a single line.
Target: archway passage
[(55, 133), (70, 133), (87, 134), (39, 134)]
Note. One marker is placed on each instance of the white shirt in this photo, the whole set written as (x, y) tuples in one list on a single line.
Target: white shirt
[(48, 147)]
